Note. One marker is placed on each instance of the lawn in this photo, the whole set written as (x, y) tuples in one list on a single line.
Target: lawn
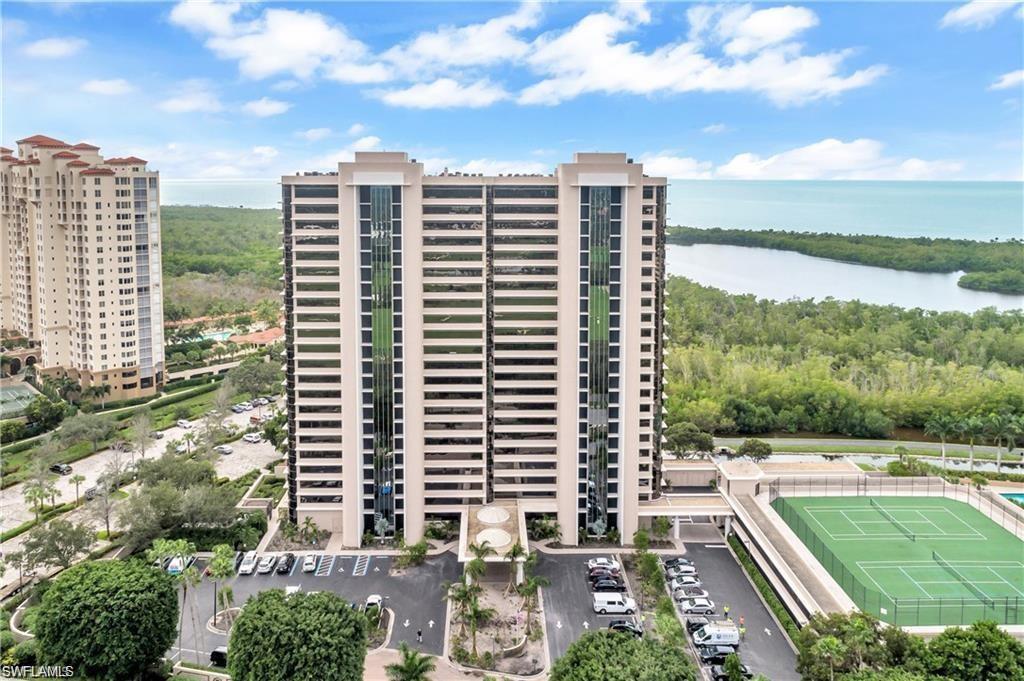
[(914, 560)]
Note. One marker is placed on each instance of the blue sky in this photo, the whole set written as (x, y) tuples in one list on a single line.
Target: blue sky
[(902, 90)]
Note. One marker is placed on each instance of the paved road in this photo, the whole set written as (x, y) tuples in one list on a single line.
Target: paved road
[(414, 597), (14, 511), (843, 442), (765, 653)]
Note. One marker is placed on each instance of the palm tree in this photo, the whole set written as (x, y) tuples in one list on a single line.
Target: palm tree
[(830, 649), (512, 556), (971, 429), (477, 615), (99, 390), (942, 426), (460, 595), (190, 440), (529, 590), (36, 493), (309, 530), (477, 567), (1000, 428), (413, 667), (78, 479)]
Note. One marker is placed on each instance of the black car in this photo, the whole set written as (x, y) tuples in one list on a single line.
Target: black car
[(602, 573), (714, 654), (285, 563), (219, 656), (626, 627), (608, 585), (239, 557), (718, 673), (61, 468), (91, 493), (695, 623)]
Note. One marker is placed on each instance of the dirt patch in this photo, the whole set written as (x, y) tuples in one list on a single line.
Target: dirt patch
[(280, 542), (506, 629)]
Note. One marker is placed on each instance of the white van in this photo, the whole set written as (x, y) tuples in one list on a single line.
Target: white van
[(248, 565), (614, 603), (717, 634)]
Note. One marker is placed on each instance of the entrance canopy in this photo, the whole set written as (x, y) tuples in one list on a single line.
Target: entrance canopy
[(501, 524)]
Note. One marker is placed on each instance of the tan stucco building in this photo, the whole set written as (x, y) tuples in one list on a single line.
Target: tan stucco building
[(80, 249), (455, 340)]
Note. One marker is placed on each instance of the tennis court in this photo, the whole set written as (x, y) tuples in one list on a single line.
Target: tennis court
[(913, 560), (14, 398)]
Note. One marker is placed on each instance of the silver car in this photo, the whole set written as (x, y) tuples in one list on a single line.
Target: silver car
[(266, 565)]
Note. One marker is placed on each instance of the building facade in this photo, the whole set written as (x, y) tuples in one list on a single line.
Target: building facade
[(455, 340), (80, 243)]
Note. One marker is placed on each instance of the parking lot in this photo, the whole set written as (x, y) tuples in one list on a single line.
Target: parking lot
[(764, 648), (415, 597), (568, 603)]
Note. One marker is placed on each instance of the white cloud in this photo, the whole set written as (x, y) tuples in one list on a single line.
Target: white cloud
[(490, 166), (676, 167), (204, 16), (356, 129), (591, 57), (976, 14), (192, 96), (368, 143), (286, 85), (1008, 80), (833, 159), (493, 41), (445, 93), (714, 128), (315, 134), (114, 86), (264, 107), (280, 42), (54, 48)]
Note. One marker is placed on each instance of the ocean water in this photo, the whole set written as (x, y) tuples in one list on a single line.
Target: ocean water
[(958, 210)]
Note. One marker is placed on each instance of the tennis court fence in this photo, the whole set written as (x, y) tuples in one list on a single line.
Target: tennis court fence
[(906, 612), (1007, 515)]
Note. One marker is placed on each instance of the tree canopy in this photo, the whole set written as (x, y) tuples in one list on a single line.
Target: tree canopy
[(589, 658), (301, 637), (108, 619)]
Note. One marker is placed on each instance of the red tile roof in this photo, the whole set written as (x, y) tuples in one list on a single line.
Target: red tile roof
[(78, 164), (128, 160), (8, 158), (98, 171), (84, 145), (5, 150), (259, 338), (65, 154), (43, 141)]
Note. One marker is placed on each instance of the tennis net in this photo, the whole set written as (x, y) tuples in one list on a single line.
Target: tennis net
[(888, 516), (963, 580)]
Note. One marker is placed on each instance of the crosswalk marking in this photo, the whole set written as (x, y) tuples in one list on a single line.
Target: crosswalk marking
[(361, 566), (325, 567)]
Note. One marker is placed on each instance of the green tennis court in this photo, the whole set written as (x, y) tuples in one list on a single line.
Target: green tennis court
[(14, 399), (914, 560)]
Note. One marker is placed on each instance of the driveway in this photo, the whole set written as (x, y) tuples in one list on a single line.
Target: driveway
[(568, 603), (415, 597), (764, 649)]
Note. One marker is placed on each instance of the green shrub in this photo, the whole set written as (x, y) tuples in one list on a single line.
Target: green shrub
[(25, 653), (6, 640)]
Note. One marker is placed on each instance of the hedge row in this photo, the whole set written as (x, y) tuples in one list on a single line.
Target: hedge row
[(767, 592), (46, 515)]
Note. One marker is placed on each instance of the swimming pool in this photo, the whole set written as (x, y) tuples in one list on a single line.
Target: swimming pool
[(218, 335), (1015, 496)]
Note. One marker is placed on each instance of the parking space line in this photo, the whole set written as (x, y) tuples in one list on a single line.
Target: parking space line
[(361, 566), (295, 564), (325, 566)]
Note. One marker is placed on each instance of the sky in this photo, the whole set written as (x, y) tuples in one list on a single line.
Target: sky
[(239, 90)]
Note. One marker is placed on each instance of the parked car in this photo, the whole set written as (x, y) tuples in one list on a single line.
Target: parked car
[(603, 562), (602, 573), (681, 571), (608, 585), (285, 563), (182, 448), (718, 672), (247, 406), (239, 557), (717, 634), (626, 627), (266, 565), (248, 565), (714, 654), (178, 564), (237, 409), (219, 656), (689, 592), (184, 423), (373, 601), (260, 401), (697, 606), (684, 582), (614, 603), (91, 493), (223, 449), (695, 623), (673, 562), (252, 438), (157, 435), (61, 468), (309, 563)]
